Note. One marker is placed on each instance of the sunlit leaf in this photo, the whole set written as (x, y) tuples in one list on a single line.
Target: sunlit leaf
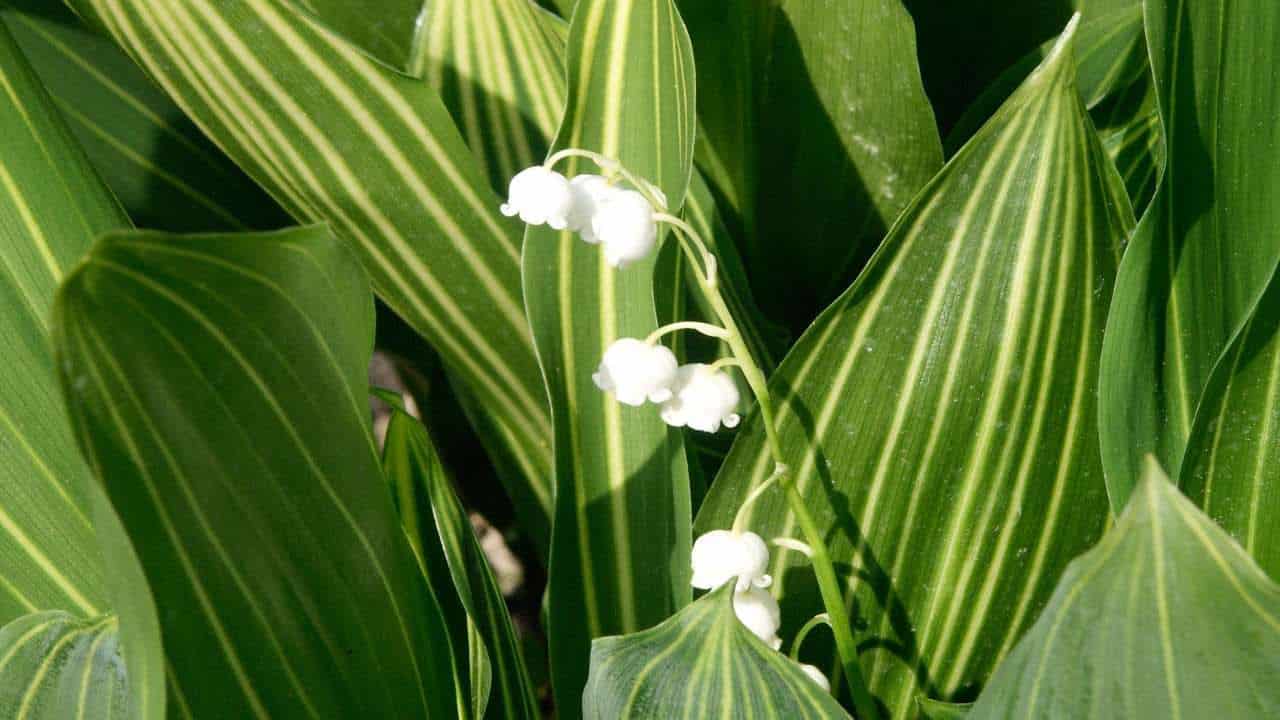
[(54, 666), (701, 663), (1166, 618), (938, 419)]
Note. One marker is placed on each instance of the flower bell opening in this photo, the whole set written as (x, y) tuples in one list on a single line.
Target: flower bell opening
[(723, 555), (635, 371), (702, 398), (539, 196)]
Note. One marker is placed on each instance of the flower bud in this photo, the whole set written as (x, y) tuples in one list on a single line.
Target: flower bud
[(589, 192), (624, 224), (816, 675), (538, 196), (635, 371), (759, 611), (722, 555), (702, 399)]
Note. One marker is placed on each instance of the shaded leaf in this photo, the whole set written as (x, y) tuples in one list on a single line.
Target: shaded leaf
[(155, 160), (54, 666), (938, 418), (1166, 618), (334, 136), (1208, 244), (219, 387), (619, 551), (701, 663), (846, 138), (938, 710), (440, 530)]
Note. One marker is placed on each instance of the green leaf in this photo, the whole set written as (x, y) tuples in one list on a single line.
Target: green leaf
[(619, 550), (440, 530), (701, 663), (501, 73), (389, 30), (938, 710), (219, 387), (1207, 246), (846, 138), (1110, 55), (938, 418), (61, 544), (165, 173), (54, 666), (337, 137), (1230, 468), (1129, 124), (1166, 618)]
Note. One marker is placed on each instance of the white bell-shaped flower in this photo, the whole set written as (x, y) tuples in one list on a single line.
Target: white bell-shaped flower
[(817, 676), (624, 224), (589, 193), (635, 371), (702, 398), (722, 555), (538, 196), (759, 611)]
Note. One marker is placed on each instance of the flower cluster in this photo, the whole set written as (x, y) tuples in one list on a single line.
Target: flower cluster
[(722, 556), (621, 221), (624, 223)]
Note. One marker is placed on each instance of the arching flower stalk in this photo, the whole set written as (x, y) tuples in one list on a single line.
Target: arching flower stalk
[(625, 222)]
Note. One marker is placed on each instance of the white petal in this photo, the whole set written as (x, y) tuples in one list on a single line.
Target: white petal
[(759, 612), (816, 675)]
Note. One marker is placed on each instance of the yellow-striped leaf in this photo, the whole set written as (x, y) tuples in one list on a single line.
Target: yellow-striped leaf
[(457, 570), (335, 136), (54, 666), (702, 663), (1166, 618), (1207, 246), (1232, 465), (219, 387), (621, 537), (164, 171), (938, 418), (390, 30)]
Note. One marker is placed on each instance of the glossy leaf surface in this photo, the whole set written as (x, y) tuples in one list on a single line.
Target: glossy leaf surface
[(54, 666), (938, 418), (219, 387)]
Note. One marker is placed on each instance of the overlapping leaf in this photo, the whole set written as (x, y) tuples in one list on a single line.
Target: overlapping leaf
[(846, 137), (1166, 618), (938, 418), (1232, 460), (54, 666), (439, 528), (701, 663), (1208, 244), (621, 536), (336, 137), (164, 172), (219, 387)]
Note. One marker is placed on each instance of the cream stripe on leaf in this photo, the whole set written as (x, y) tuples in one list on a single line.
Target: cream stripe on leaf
[(938, 416), (1167, 617), (334, 136), (54, 666), (701, 663), (241, 466), (457, 569), (621, 538), (1233, 455), (165, 173), (1203, 253)]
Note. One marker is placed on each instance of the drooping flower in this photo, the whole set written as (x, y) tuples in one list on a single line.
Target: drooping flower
[(623, 222), (539, 195), (722, 555), (635, 371), (589, 193), (817, 676), (702, 398), (759, 611)]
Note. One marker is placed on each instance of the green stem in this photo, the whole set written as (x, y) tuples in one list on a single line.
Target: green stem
[(828, 583)]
